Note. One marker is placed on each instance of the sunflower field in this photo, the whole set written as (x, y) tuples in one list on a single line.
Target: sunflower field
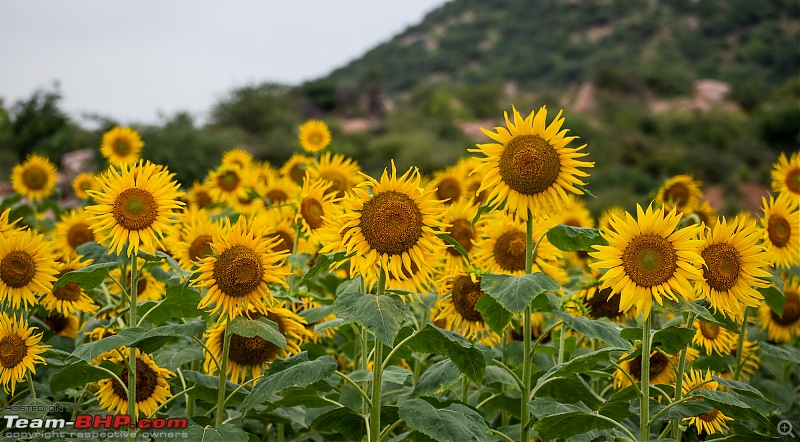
[(311, 301)]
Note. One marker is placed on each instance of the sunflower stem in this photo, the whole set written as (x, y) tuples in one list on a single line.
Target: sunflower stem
[(30, 384), (132, 351), (644, 415), (739, 349), (464, 389), (676, 424), (377, 369), (223, 374), (526, 336)]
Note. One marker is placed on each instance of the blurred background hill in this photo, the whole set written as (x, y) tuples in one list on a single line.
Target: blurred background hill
[(656, 88)]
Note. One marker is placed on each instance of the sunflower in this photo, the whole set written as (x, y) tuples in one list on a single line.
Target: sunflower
[(661, 368), (27, 267), (501, 248), (71, 231), (459, 217), (750, 360), (705, 212), (19, 351), (193, 241), (473, 180), (237, 157), (530, 167), (200, 196), (649, 259), (280, 191), (249, 204), (713, 421), (458, 294), (390, 227), (263, 173), (713, 338), (35, 178), (604, 222), (70, 297), (148, 288), (450, 184), (734, 262), (121, 145), (315, 203), (134, 206), (783, 328), (413, 285), (314, 136), (62, 325), (82, 183), (295, 167), (254, 354), (681, 192), (7, 226), (276, 226), (306, 303), (782, 230), (601, 302), (238, 273), (152, 388), (228, 182), (343, 172), (786, 175)]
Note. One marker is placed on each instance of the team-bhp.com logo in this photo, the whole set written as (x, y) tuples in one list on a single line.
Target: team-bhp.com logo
[(87, 421)]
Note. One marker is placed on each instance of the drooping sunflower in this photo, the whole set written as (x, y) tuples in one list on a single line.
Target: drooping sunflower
[(786, 175), (27, 268), (19, 351), (121, 145), (315, 203), (681, 192), (314, 136), (152, 388), (71, 231), (62, 325), (459, 217), (295, 167), (236, 276), (781, 222), (712, 338), (134, 207), (343, 172), (661, 371), (734, 264), (253, 355), (34, 178), (458, 293), (530, 166), (82, 183), (713, 421), (237, 157), (787, 326), (193, 241), (70, 297), (391, 226), (6, 225), (148, 288), (501, 248), (648, 258)]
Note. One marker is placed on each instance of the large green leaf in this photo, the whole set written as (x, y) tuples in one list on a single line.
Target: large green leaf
[(775, 299), (180, 302), (97, 253), (81, 373), (206, 387), (261, 327), (437, 378), (617, 407), (493, 313), (223, 433), (88, 277), (680, 411), (176, 355), (435, 340), (742, 388), (296, 371), (322, 264), (138, 337), (315, 314), (515, 293), (783, 352), (566, 425), (598, 329), (673, 339), (542, 407), (456, 422), (703, 313), (344, 421), (579, 364), (381, 315), (574, 239), (720, 397)]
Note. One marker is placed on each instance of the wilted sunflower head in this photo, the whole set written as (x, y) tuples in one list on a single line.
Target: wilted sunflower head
[(121, 145), (35, 178)]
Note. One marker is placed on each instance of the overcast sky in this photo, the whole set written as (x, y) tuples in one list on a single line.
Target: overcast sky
[(134, 60)]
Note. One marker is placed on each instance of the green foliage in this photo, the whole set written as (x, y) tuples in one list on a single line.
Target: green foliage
[(454, 423), (381, 315), (296, 371), (515, 293), (80, 373), (573, 239)]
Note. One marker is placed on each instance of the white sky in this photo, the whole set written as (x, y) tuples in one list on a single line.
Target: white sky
[(134, 60)]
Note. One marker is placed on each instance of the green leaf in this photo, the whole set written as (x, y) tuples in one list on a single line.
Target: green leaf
[(515, 293), (180, 302), (88, 277), (703, 313), (381, 315), (207, 387), (175, 356), (542, 407), (456, 422), (434, 340), (316, 314), (396, 375), (456, 245), (481, 210), (673, 339), (261, 327), (496, 375), (333, 323), (344, 421), (223, 433), (775, 299), (574, 239), (323, 264), (300, 373), (437, 378), (617, 407), (597, 329), (783, 352), (579, 364), (97, 253), (81, 373), (720, 397), (493, 313), (680, 411), (566, 425), (138, 337), (742, 388)]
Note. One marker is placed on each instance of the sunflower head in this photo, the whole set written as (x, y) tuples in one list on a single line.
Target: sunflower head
[(27, 268), (83, 183), (459, 293), (781, 223), (152, 388), (314, 136), (200, 196), (121, 145), (71, 231), (238, 157), (35, 178), (343, 172), (713, 421), (786, 175), (19, 351), (784, 327), (296, 166), (681, 192), (70, 297)]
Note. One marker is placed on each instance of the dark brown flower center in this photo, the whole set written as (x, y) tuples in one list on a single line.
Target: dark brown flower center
[(34, 177), (297, 173), (601, 306), (56, 323), (710, 416), (391, 222), (78, 234), (228, 181), (286, 243), (340, 182), (17, 269), (12, 351), (529, 164), (461, 231), (203, 199), (277, 196), (449, 189), (238, 271), (256, 350), (70, 291), (509, 251), (677, 194), (779, 230), (465, 295), (135, 209), (200, 247), (122, 147), (793, 180), (791, 310), (649, 260), (658, 363), (312, 212), (146, 382), (723, 264), (709, 331)]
